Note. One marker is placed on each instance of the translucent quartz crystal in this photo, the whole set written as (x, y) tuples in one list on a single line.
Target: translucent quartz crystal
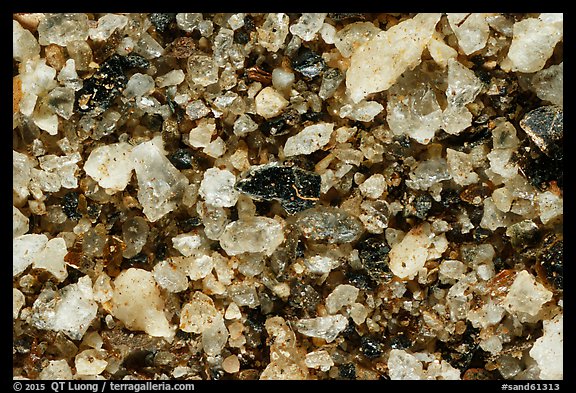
[(107, 24), (81, 53), (327, 328), (331, 80), (379, 62), (440, 51), (461, 167), (548, 350), (409, 255), (287, 361), (269, 102), (188, 243), (244, 125), (60, 29), (319, 359), (61, 101), (138, 303), (56, 370), (24, 44), (70, 311), (259, 234), (148, 47), (202, 70), (362, 111), (319, 264), (201, 135), (169, 277), (533, 43), (19, 222), (308, 25), (549, 84), (428, 173), (351, 36), (200, 316), (375, 215), (134, 234), (196, 315), (217, 188), (309, 139), (188, 21), (550, 206), (222, 44), (18, 301), (243, 295), (90, 362), (342, 295), (171, 78), (21, 169), (273, 32), (526, 296), (463, 87), (69, 77), (64, 166), (37, 78), (51, 258), (374, 186), (195, 266), (138, 85), (25, 250), (471, 30), (214, 218), (196, 110), (236, 21), (329, 224), (111, 165), (160, 184)]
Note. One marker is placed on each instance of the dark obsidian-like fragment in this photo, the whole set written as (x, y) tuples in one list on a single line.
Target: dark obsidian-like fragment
[(303, 296), (545, 127), (347, 371), (400, 341), (373, 253), (161, 20), (421, 205), (370, 347), (101, 89), (281, 124), (70, 206), (551, 261), (361, 280), (134, 60), (540, 169), (181, 159), (241, 36), (338, 16), (294, 188), (309, 63), (189, 223)]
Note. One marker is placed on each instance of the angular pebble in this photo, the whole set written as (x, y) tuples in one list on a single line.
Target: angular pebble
[(327, 328), (378, 63), (111, 165), (259, 234), (309, 140), (138, 303)]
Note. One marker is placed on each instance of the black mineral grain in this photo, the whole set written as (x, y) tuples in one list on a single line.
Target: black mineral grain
[(545, 127), (161, 21), (294, 188), (70, 206), (308, 63)]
